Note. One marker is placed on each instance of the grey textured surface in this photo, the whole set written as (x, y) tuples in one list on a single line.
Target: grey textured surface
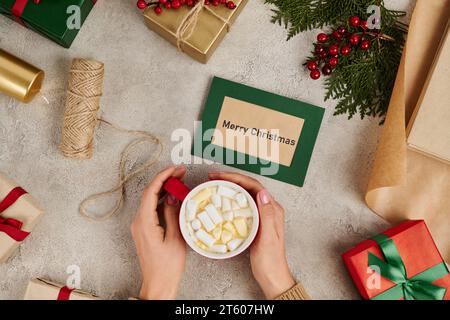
[(150, 86)]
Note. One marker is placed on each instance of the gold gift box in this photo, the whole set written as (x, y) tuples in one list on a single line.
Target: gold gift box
[(207, 34), (25, 209), (40, 289)]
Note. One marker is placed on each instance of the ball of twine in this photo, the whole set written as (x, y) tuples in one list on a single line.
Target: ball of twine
[(82, 107)]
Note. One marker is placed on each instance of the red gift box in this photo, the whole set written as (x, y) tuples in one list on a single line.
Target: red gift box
[(401, 263)]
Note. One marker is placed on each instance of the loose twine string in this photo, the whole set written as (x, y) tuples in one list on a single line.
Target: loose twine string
[(80, 121), (189, 22)]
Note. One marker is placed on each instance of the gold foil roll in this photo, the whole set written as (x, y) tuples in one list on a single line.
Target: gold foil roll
[(18, 78)]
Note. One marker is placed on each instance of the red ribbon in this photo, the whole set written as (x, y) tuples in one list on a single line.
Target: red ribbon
[(20, 5), (64, 293), (18, 8), (12, 227)]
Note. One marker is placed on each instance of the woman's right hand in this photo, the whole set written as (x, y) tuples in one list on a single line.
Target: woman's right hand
[(267, 253)]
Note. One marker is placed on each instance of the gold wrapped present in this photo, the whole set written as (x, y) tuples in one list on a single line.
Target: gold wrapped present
[(197, 31), (39, 289), (19, 213)]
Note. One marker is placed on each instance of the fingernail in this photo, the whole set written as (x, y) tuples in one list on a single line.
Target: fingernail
[(171, 200), (264, 196)]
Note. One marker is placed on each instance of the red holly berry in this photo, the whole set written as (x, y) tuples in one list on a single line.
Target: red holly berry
[(189, 3), (333, 62), (364, 24), (326, 70), (333, 49), (312, 65), (319, 48), (167, 5), (162, 1), (365, 45), (342, 30), (345, 50), (354, 21), (323, 55), (223, 2), (141, 4), (315, 74), (158, 10), (182, 2), (355, 39), (206, 2), (215, 3), (176, 4), (231, 5), (322, 37), (336, 35)]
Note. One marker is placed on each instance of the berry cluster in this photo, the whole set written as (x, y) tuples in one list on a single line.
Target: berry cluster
[(175, 4), (339, 43)]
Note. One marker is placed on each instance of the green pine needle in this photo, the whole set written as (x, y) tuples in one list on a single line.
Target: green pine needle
[(363, 82)]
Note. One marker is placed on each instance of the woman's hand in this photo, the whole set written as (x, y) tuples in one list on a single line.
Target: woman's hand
[(267, 253), (162, 253)]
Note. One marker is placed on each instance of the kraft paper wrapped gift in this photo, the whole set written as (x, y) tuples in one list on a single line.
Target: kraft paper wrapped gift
[(429, 127), (19, 213), (40, 289), (204, 32)]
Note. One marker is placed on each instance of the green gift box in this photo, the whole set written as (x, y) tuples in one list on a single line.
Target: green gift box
[(59, 21)]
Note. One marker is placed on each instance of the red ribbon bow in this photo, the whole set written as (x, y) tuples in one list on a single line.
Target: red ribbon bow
[(12, 227), (64, 293)]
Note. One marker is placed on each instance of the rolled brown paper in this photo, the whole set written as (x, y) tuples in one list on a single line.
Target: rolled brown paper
[(18, 78)]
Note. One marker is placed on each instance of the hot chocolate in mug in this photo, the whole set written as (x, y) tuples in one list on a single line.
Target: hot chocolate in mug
[(218, 219)]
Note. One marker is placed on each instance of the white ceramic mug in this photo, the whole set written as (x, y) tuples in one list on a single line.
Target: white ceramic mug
[(184, 194)]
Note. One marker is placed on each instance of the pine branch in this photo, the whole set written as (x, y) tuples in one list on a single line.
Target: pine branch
[(362, 83)]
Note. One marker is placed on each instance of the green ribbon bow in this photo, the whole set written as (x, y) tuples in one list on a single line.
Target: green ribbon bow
[(419, 287)]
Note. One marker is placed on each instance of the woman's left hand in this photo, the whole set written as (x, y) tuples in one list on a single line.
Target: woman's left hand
[(161, 252)]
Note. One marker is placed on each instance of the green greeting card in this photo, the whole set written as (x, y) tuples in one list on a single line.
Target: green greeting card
[(258, 131)]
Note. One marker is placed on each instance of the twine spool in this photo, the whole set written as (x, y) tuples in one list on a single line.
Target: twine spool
[(79, 125), (82, 106)]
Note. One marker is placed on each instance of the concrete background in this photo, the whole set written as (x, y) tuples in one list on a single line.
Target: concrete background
[(151, 86)]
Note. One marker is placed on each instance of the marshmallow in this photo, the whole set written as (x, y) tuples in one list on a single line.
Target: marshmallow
[(241, 226), (216, 201), (200, 244), (191, 231), (244, 213), (230, 227), (205, 237), (206, 221), (241, 200), (233, 244), (196, 224), (191, 209), (219, 248), (226, 236), (234, 205), (228, 216), (217, 232), (226, 204), (226, 192), (214, 214), (202, 195)]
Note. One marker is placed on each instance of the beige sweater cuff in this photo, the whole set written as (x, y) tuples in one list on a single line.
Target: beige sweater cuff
[(297, 292)]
